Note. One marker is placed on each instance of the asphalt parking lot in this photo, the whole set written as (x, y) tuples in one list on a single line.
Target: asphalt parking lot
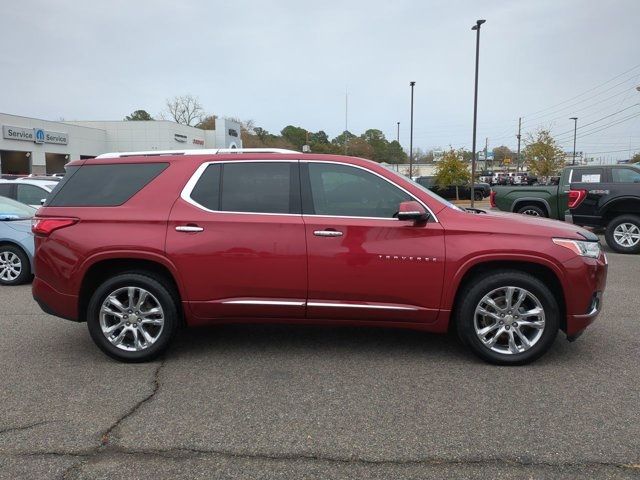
[(306, 402)]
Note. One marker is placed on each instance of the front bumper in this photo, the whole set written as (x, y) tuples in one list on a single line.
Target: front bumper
[(580, 322), (587, 280)]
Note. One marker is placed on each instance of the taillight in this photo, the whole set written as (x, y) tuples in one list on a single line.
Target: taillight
[(492, 198), (45, 225), (576, 197)]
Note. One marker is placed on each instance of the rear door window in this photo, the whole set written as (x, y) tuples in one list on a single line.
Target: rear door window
[(587, 175), (5, 190), (30, 194), (625, 175), (249, 187), (103, 185)]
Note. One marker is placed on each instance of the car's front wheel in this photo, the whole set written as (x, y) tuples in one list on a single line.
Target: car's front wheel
[(132, 317), (507, 317), (14, 265)]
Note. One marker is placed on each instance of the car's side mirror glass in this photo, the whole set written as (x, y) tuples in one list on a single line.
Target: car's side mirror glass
[(412, 210)]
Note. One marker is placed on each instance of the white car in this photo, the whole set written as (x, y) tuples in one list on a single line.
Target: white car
[(28, 190)]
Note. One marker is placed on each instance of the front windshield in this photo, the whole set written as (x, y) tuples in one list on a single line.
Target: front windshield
[(12, 210)]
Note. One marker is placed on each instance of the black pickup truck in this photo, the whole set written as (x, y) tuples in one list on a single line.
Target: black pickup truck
[(609, 198)]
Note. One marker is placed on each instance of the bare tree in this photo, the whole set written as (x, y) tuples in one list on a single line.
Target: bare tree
[(185, 109)]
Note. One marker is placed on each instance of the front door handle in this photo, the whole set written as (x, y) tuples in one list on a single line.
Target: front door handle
[(327, 233), (189, 228)]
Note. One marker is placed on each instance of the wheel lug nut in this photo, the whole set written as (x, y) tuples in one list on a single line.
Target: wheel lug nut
[(515, 324), (501, 322), (507, 327)]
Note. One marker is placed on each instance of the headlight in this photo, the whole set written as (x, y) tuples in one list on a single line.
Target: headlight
[(580, 247)]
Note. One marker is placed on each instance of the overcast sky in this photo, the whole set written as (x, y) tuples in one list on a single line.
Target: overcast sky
[(290, 62)]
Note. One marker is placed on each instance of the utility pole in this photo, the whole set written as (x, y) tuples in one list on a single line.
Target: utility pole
[(411, 84), (575, 129), (518, 137), (346, 119), (476, 27), (398, 135), (486, 151)]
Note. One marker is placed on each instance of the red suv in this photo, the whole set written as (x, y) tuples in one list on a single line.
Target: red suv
[(139, 244)]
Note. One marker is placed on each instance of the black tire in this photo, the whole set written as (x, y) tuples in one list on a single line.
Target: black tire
[(472, 294), (532, 210), (161, 292), (25, 266), (610, 230), (477, 195)]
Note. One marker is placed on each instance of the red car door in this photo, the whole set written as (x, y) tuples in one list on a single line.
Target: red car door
[(238, 242), (364, 263)]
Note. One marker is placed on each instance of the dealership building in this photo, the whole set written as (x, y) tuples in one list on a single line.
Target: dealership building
[(31, 145)]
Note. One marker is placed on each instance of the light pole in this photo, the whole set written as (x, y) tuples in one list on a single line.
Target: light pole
[(575, 129), (411, 84), (518, 137), (476, 27), (398, 135)]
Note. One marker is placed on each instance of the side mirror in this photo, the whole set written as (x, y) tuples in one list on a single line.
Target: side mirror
[(42, 200), (412, 210)]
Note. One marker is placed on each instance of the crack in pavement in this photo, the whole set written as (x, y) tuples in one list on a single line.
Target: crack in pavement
[(112, 452), (105, 450), (105, 438), (24, 427)]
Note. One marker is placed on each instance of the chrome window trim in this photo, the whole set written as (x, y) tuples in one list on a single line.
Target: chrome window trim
[(191, 183)]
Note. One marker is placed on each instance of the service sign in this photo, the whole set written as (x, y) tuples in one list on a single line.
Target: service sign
[(36, 135)]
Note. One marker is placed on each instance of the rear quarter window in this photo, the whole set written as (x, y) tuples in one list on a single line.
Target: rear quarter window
[(103, 185)]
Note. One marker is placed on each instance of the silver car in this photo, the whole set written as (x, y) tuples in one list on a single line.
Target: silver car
[(16, 242)]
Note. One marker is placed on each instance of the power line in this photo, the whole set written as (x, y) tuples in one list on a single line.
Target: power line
[(616, 151), (598, 120), (604, 127), (586, 91)]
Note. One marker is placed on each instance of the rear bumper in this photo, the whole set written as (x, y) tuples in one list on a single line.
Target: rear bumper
[(53, 302)]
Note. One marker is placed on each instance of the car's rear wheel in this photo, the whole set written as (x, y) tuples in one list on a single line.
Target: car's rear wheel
[(132, 317), (14, 265), (507, 317), (477, 195), (532, 210), (623, 234)]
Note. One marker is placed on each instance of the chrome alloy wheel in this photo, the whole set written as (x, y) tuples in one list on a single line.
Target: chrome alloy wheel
[(509, 320), (131, 318), (627, 235), (10, 266)]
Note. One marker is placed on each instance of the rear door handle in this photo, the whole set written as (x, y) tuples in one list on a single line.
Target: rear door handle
[(327, 233), (189, 228)]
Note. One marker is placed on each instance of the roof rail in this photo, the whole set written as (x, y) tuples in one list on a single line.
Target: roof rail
[(212, 151)]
